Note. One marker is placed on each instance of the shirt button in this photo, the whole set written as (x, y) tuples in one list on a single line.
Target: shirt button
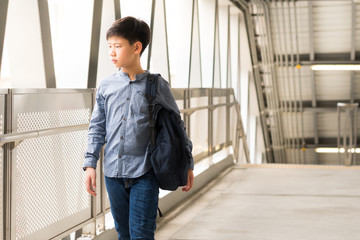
[(125, 118), (119, 156), (128, 98), (121, 137)]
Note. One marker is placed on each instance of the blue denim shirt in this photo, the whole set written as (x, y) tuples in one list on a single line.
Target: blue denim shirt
[(121, 120)]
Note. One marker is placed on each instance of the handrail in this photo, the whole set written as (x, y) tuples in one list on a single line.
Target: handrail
[(212, 107), (16, 137), (13, 137)]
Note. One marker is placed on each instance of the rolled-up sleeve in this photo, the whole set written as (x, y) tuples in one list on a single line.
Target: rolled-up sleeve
[(96, 133), (167, 100)]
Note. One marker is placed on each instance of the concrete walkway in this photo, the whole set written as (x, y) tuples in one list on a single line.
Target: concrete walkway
[(271, 202)]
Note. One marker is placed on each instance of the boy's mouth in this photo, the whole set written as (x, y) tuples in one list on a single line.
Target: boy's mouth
[(113, 60)]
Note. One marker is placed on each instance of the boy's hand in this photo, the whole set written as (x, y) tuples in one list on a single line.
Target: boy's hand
[(90, 181), (190, 181)]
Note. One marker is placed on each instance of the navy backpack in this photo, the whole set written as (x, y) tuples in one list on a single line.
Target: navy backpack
[(169, 156)]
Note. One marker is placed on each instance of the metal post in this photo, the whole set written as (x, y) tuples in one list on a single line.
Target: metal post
[(94, 43), (227, 141), (210, 124), (349, 133), (8, 167), (187, 104), (3, 15), (47, 44), (355, 134), (117, 9), (103, 187)]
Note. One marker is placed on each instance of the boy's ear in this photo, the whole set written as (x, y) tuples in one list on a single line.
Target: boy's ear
[(138, 48)]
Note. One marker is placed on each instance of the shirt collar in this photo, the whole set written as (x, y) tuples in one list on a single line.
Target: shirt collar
[(138, 77)]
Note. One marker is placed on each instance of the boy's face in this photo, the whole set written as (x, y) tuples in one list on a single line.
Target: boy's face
[(122, 54)]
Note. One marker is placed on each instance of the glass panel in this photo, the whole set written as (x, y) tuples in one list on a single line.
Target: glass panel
[(223, 35), (159, 55), (207, 28), (71, 24), (178, 21), (139, 9), (5, 69), (105, 66), (199, 128)]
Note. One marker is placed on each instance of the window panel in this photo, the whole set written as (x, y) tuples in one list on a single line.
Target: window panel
[(71, 23), (139, 9)]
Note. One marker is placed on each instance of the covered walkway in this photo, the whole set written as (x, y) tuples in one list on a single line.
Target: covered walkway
[(268, 90), (271, 202)]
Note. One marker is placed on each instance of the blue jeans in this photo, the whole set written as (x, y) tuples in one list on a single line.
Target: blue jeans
[(134, 203)]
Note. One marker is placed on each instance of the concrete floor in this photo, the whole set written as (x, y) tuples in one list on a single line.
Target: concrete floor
[(271, 202)]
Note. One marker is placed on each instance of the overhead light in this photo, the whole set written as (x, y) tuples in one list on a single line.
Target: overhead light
[(335, 150), (336, 67)]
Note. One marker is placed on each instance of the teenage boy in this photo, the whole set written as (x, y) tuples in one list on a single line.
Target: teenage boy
[(121, 120)]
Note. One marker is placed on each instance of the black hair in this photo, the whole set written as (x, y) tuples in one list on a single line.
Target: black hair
[(131, 29)]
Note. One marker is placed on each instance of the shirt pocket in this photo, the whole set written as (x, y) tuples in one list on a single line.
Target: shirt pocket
[(141, 103)]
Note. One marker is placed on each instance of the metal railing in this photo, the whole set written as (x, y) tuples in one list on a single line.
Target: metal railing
[(42, 139), (347, 134)]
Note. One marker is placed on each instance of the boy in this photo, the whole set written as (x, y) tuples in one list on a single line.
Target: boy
[(121, 116)]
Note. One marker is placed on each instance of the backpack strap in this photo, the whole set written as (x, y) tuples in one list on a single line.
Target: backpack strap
[(151, 84)]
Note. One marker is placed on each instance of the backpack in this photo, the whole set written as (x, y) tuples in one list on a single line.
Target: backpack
[(169, 156)]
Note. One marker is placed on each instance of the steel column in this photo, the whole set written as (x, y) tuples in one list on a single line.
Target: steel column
[(94, 43), (117, 9), (47, 44), (8, 167), (3, 14)]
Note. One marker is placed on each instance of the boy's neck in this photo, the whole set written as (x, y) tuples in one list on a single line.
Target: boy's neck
[(133, 71)]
